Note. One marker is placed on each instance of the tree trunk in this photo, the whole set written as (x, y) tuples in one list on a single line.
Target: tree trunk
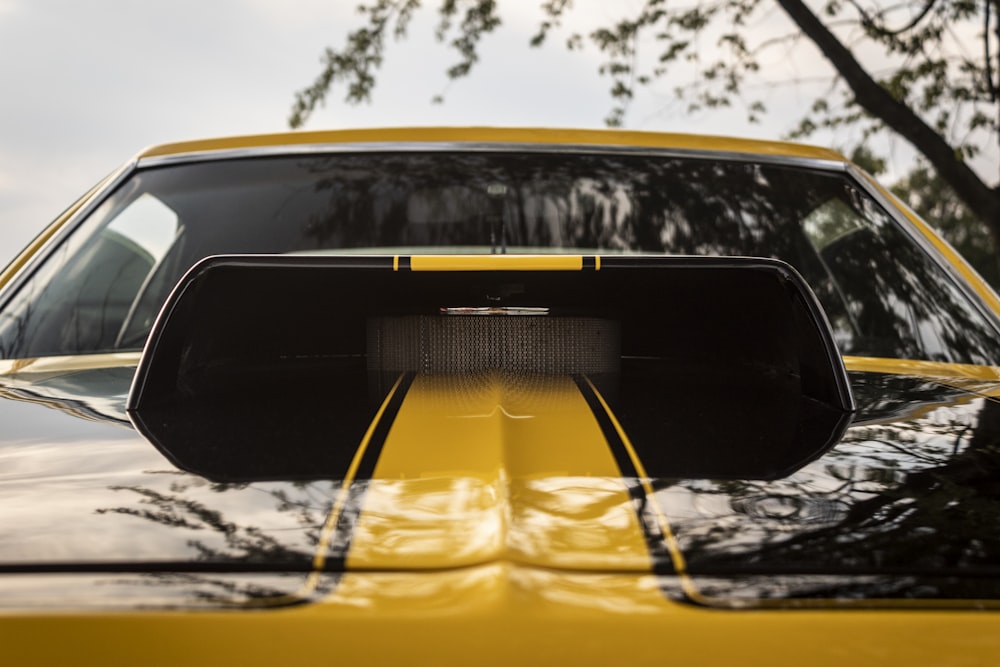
[(982, 200)]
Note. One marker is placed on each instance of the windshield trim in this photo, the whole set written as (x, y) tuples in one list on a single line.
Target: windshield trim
[(488, 147)]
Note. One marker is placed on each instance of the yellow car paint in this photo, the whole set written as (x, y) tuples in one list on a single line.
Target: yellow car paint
[(556, 137), (494, 263), (41, 367), (936, 369)]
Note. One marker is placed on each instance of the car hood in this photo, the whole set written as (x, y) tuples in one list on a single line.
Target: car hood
[(904, 506)]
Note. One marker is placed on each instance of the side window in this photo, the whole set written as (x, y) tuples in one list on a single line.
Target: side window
[(885, 296), (87, 299), (839, 236)]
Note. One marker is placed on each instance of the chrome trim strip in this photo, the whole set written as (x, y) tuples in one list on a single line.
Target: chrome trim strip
[(503, 311), (486, 147)]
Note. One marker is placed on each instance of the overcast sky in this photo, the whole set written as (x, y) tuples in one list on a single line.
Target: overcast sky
[(85, 85)]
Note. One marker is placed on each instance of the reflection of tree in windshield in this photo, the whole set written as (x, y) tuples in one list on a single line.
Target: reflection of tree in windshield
[(882, 293)]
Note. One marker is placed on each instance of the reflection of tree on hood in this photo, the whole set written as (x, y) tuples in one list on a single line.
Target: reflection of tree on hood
[(230, 547), (916, 501)]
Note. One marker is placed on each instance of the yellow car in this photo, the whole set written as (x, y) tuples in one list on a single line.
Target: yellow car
[(496, 396)]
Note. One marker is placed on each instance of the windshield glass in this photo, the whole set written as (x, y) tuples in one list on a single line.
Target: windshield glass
[(101, 289)]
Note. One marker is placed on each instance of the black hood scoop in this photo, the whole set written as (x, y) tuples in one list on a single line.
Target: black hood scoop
[(272, 367)]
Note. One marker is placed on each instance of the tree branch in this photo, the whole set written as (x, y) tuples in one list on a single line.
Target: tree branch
[(878, 102)]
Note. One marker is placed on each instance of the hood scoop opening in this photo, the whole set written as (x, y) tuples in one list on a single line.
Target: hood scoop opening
[(274, 367)]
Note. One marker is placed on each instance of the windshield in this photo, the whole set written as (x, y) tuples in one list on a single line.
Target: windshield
[(102, 288)]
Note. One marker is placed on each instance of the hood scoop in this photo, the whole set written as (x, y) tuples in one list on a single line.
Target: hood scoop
[(278, 367)]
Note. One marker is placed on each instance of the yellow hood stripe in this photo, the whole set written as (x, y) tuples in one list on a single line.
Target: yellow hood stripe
[(488, 467)]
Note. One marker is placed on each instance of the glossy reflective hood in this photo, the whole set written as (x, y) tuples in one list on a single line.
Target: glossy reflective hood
[(486, 469)]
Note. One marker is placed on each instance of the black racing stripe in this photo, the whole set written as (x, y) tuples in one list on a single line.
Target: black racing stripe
[(404, 263), (589, 262), (367, 466), (340, 542), (660, 555)]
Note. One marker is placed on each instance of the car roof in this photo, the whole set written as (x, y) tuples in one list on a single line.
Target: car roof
[(295, 141)]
